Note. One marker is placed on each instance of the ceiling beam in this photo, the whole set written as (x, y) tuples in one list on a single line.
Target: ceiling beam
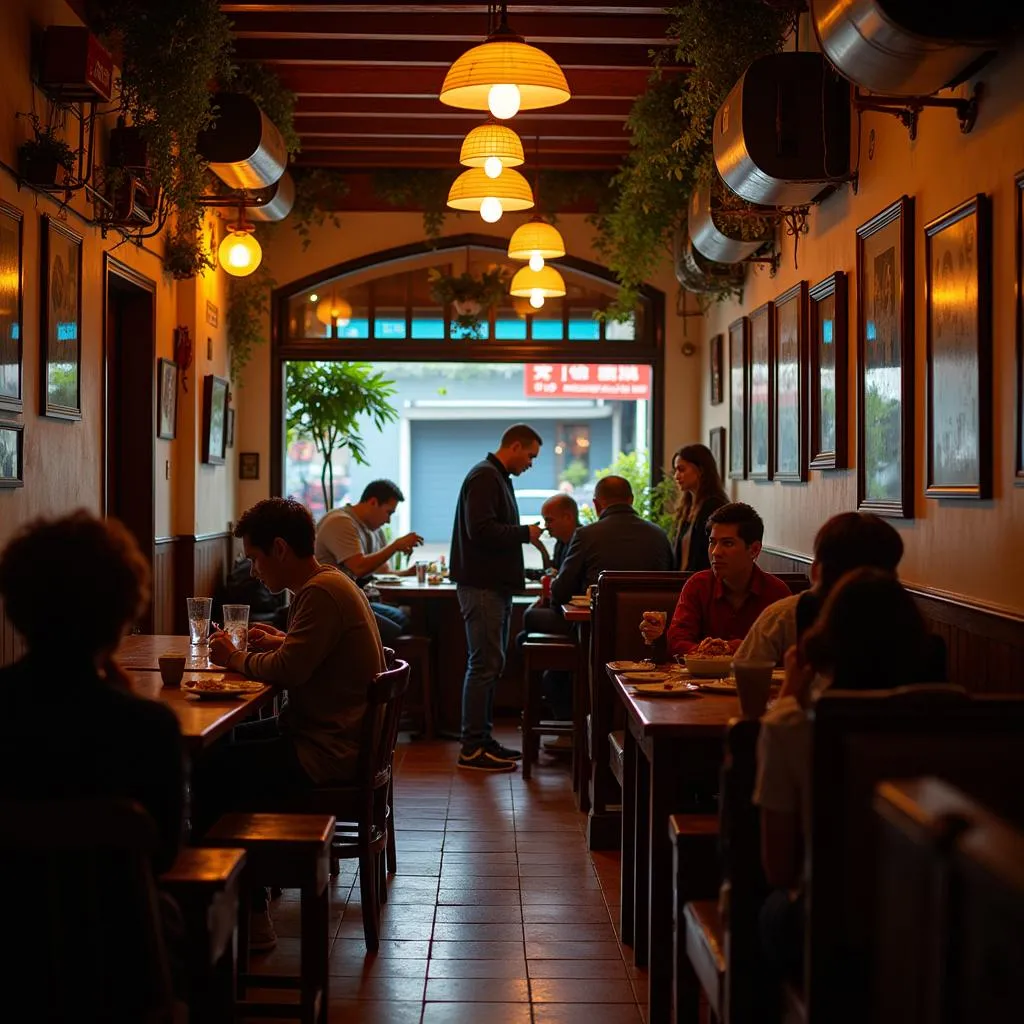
[(453, 128), (610, 109), (442, 160)]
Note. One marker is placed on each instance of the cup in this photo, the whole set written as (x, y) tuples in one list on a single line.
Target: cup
[(172, 668), (657, 619), (753, 684), (199, 610), (421, 572), (236, 625)]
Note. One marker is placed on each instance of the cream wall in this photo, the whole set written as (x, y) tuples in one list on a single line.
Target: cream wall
[(363, 233), (974, 549)]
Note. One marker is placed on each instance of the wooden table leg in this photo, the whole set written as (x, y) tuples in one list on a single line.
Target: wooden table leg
[(627, 866), (642, 855)]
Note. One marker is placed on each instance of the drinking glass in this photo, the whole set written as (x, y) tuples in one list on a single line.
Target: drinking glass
[(236, 625), (199, 609), (421, 572), (658, 618)]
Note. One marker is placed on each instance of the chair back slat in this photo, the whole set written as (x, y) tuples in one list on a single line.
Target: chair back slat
[(380, 725), (83, 905)]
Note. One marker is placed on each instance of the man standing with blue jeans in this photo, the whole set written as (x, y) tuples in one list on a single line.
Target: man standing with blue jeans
[(487, 566)]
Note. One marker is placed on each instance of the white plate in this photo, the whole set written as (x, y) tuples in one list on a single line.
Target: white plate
[(629, 666), (646, 677), (223, 688), (387, 578), (671, 688), (716, 685)]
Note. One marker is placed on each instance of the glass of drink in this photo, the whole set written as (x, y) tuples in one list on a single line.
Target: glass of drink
[(655, 623), (421, 572), (236, 625), (199, 609)]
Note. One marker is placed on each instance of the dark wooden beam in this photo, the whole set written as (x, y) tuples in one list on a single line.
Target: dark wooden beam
[(442, 159), (611, 109), (454, 127)]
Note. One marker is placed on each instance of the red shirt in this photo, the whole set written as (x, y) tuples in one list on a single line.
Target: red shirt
[(703, 609)]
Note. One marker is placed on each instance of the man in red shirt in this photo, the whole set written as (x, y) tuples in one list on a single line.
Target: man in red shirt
[(723, 601)]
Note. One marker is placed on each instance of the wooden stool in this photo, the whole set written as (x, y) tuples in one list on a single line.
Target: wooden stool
[(543, 652), (416, 650), (294, 852), (204, 882)]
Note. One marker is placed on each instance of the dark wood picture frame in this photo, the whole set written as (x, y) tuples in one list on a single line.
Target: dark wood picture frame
[(248, 465), (215, 405), (12, 454), (167, 399), (716, 442), (789, 386), (738, 407), (958, 382), (229, 428), (885, 361), (828, 335), (715, 349), (12, 309), (1018, 472), (60, 323), (761, 397)]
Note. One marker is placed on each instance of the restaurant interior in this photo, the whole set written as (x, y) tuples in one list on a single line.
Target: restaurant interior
[(802, 220)]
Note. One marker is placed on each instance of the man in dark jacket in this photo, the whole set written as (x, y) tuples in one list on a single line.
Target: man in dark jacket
[(487, 566), (619, 539)]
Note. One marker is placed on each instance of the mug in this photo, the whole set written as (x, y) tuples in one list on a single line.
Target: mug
[(172, 668)]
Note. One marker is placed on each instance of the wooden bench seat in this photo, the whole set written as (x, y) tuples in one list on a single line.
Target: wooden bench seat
[(704, 937)]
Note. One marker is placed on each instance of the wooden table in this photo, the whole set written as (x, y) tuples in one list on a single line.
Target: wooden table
[(203, 720), (141, 652), (579, 616), (671, 745)]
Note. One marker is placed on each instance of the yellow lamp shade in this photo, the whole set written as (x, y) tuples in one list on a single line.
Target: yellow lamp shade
[(472, 187), (333, 311), (546, 282), (491, 141), (239, 253), (535, 238), (504, 60)]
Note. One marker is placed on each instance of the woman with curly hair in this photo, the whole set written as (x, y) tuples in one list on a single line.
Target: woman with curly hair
[(700, 493)]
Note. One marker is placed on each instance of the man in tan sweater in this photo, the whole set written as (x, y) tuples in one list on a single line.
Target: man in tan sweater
[(325, 663)]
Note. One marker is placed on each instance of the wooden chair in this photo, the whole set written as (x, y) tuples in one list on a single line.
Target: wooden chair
[(83, 913), (418, 652), (364, 809), (543, 652), (204, 882), (860, 739)]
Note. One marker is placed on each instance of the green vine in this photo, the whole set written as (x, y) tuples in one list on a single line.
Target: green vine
[(185, 255), (426, 190), (248, 309), (317, 194)]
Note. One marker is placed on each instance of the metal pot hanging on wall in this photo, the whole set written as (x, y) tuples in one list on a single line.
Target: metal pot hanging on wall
[(720, 237), (700, 275)]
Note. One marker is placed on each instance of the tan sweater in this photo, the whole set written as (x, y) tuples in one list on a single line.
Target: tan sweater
[(331, 653)]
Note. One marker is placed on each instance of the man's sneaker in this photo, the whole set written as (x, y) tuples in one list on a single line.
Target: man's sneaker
[(483, 759), (505, 753), (262, 937)]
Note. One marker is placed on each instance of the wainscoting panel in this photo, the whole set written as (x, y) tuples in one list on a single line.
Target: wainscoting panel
[(163, 585), (984, 645), (186, 566), (11, 645)]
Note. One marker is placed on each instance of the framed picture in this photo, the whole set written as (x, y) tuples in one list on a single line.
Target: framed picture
[(716, 369), (167, 405), (761, 434), (789, 385), (885, 362), (61, 320), (828, 332), (716, 442), (248, 465), (11, 301), (958, 308), (230, 428), (12, 455), (738, 408), (1019, 465), (215, 405)]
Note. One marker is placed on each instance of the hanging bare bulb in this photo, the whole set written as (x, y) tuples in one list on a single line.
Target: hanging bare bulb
[(503, 101), (536, 261), (492, 166), (536, 298), (491, 209)]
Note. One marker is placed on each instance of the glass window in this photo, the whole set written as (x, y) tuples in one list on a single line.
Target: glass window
[(389, 323), (428, 323), (582, 325), (621, 330)]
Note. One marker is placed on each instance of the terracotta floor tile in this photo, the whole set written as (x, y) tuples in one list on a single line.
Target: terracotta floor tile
[(586, 1013), (356, 949), (606, 969), (578, 990), (569, 897), (358, 1011), (477, 931), (575, 931), (478, 990), (591, 914), (552, 950), (510, 913), (474, 1013), (509, 968), (475, 950), (344, 965), (456, 879), (392, 928), (478, 897), (388, 987)]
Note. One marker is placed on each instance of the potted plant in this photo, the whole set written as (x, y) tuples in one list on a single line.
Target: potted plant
[(40, 157), (469, 296), (185, 255)]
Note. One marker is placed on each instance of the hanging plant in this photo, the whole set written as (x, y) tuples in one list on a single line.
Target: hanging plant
[(248, 309), (42, 156), (185, 255), (471, 297), (425, 190)]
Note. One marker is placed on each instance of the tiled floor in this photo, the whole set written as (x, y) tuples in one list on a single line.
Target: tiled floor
[(498, 912)]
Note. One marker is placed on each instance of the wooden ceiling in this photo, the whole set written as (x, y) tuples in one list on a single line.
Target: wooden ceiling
[(367, 77)]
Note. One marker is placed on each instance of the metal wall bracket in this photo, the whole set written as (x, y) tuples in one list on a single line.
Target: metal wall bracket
[(907, 109)]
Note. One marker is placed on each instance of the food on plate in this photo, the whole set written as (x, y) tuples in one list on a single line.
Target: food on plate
[(224, 685), (712, 647)]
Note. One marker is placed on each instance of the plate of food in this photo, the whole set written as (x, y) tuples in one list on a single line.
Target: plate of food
[(668, 688), (217, 688), (387, 577), (710, 659), (646, 676), (726, 686), (631, 666)]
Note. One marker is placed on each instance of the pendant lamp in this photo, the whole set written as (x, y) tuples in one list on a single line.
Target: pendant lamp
[(493, 147), (333, 311), (504, 75), (490, 197), (239, 253), (537, 285), (536, 241)]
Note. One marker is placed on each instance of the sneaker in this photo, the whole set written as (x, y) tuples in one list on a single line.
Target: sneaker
[(483, 759), (262, 937), (505, 753)]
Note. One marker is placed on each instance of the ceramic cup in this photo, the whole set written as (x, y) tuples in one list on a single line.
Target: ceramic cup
[(172, 668), (753, 684)]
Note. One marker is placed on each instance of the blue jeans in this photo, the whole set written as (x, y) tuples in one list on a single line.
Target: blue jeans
[(487, 614), (392, 622)]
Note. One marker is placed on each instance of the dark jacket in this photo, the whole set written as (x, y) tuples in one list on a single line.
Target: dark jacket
[(698, 554), (619, 539), (487, 540), (69, 734)]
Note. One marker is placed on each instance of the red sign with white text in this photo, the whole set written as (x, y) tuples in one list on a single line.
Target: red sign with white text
[(586, 380)]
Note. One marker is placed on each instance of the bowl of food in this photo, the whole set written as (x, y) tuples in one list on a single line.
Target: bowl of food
[(710, 659)]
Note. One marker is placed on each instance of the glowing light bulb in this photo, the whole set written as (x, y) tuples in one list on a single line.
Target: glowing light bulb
[(536, 298), (239, 253), (491, 209), (503, 101), (314, 297), (492, 167), (536, 261)]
